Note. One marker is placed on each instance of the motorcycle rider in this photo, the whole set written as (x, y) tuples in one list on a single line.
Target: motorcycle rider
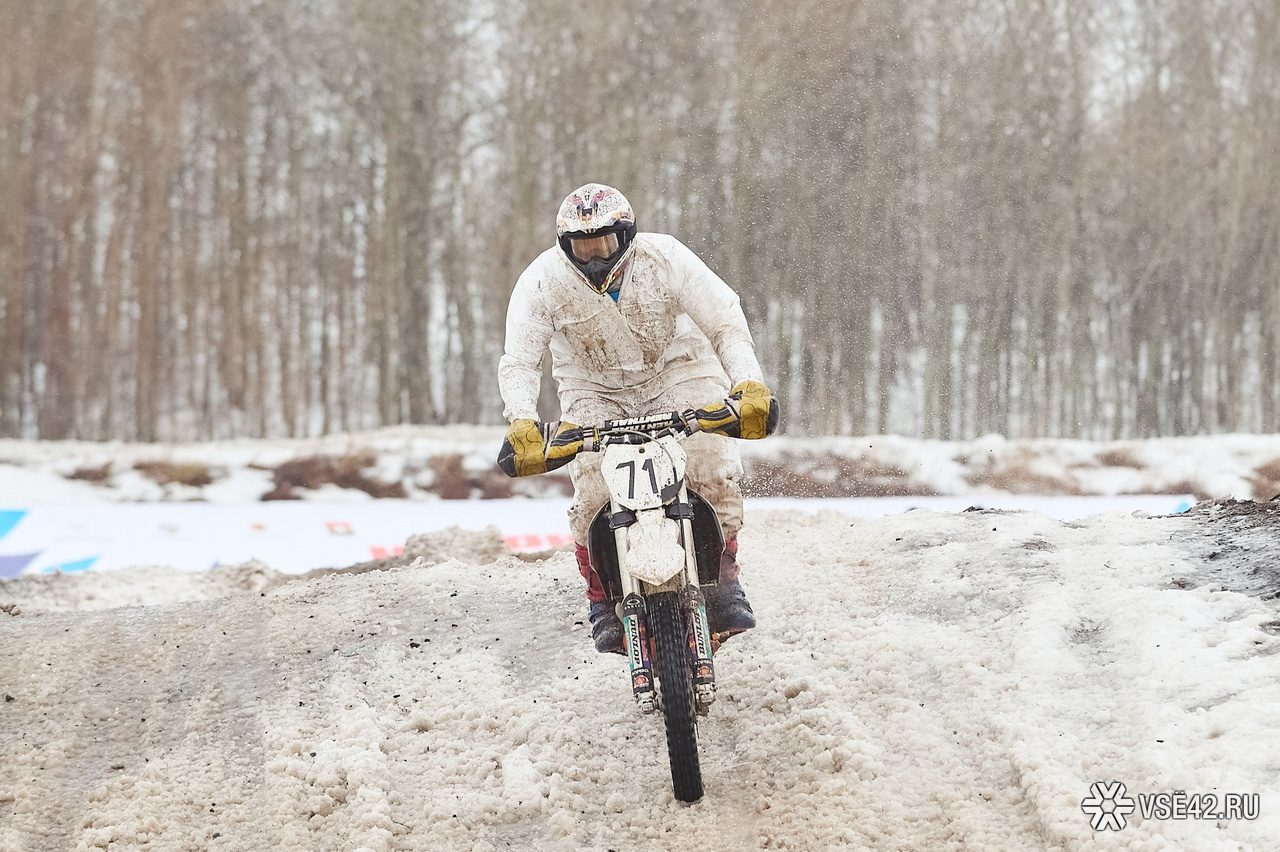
[(636, 324)]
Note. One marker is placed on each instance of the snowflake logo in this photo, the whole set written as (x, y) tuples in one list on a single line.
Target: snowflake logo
[(1108, 806)]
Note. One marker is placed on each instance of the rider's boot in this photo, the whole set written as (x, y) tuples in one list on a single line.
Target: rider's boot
[(728, 610), (606, 629)]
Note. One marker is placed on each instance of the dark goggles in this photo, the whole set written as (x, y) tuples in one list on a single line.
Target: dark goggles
[(586, 247)]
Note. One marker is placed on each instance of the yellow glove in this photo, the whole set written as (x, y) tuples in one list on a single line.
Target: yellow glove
[(718, 418), (532, 447), (751, 411), (757, 409)]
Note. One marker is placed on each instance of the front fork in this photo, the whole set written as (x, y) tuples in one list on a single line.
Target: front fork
[(704, 671), (635, 626)]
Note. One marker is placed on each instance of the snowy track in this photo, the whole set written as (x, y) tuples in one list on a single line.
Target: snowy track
[(919, 681)]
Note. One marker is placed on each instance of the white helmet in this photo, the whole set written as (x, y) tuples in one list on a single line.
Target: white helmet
[(595, 228)]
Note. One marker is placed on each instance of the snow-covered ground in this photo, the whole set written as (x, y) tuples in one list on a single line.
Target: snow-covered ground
[(298, 505), (919, 679)]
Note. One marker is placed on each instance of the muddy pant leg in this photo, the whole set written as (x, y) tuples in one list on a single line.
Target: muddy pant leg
[(716, 473), (595, 587), (729, 561), (589, 494), (714, 470)]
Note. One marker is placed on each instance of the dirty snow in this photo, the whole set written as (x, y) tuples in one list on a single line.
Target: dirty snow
[(920, 680)]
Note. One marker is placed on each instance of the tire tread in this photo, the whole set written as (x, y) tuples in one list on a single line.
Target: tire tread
[(671, 652)]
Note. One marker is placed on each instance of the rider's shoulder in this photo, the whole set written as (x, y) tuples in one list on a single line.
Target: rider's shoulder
[(662, 246), (546, 267), (653, 239)]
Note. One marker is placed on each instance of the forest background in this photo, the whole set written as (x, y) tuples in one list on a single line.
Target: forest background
[(946, 218)]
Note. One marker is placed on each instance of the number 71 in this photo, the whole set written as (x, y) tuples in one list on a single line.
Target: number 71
[(631, 472)]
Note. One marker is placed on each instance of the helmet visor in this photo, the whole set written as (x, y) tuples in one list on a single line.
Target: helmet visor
[(599, 245)]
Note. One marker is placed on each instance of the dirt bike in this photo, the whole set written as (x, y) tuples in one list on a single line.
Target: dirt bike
[(653, 546)]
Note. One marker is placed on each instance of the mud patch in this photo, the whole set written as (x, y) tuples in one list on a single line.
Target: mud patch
[(1266, 481), (1239, 543), (1017, 474), (163, 472), (449, 477), (1121, 457), (312, 472), (97, 474)]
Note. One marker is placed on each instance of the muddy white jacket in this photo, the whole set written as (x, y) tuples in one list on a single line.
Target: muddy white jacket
[(675, 323)]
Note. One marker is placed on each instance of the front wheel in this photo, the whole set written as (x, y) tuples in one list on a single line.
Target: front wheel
[(675, 677)]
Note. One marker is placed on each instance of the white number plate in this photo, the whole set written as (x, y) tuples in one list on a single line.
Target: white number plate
[(637, 474)]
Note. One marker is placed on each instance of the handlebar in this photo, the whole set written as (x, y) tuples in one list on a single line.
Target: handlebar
[(556, 445), (638, 430), (546, 446)]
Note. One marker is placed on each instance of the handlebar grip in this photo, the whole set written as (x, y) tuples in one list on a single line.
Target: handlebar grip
[(530, 447)]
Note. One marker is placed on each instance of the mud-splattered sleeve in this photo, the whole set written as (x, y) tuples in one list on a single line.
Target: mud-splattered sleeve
[(529, 332), (716, 309)]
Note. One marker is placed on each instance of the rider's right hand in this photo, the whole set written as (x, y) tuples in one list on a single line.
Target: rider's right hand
[(532, 447)]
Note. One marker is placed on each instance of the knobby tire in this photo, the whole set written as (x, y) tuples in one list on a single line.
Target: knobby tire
[(671, 653)]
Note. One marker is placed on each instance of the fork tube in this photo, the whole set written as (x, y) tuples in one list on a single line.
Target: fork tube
[(704, 672), (635, 628)]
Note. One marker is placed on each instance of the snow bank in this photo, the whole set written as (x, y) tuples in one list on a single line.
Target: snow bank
[(452, 462), (161, 584), (918, 681), (141, 586)]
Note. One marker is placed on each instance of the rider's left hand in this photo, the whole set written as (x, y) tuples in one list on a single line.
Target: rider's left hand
[(757, 409), (751, 411)]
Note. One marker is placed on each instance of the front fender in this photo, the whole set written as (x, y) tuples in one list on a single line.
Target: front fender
[(654, 552)]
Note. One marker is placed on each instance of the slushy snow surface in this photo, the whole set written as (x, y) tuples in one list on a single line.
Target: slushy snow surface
[(919, 681)]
